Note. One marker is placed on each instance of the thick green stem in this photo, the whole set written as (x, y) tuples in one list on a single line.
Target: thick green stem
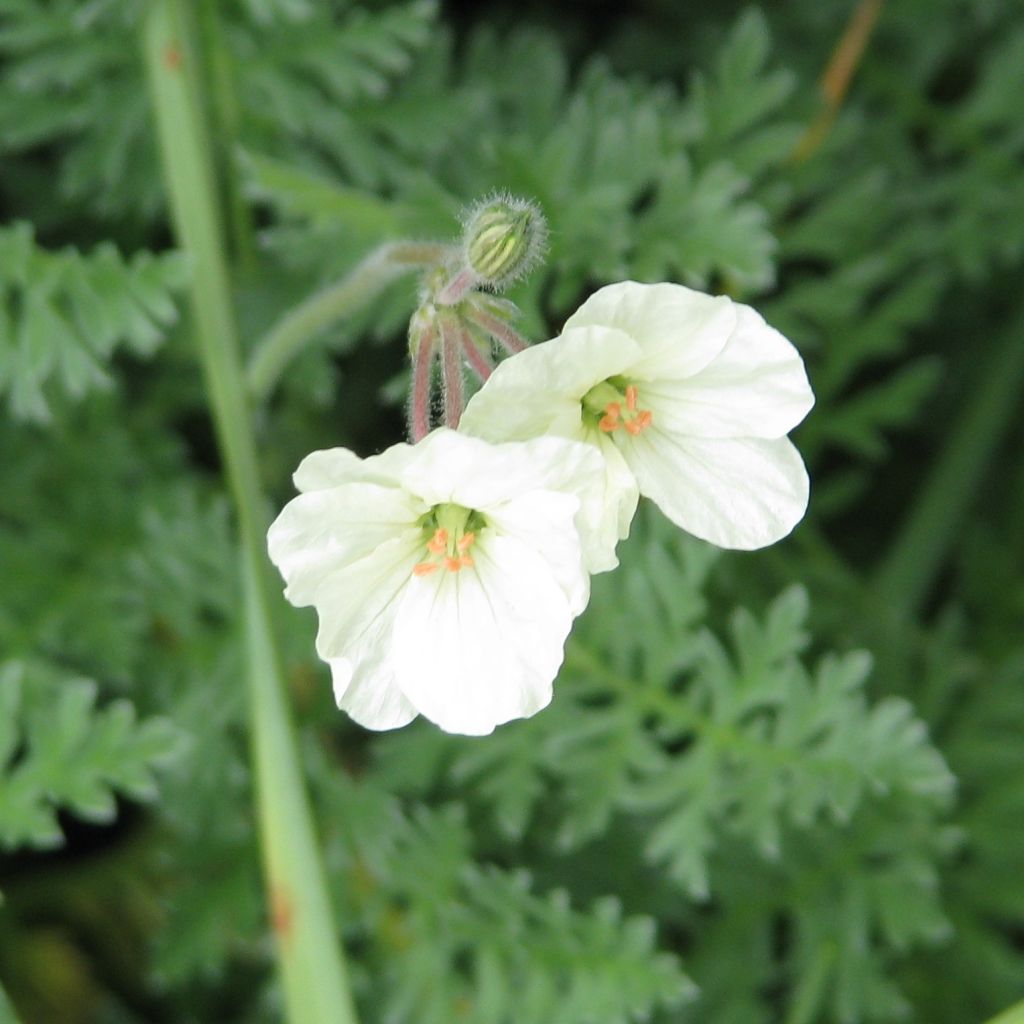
[(224, 103), (1014, 1015), (907, 574), (312, 966), (335, 302), (7, 1014)]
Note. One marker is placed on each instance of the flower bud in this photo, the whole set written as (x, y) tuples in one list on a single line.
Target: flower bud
[(504, 237)]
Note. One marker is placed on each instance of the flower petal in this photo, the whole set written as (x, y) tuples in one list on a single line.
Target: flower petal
[(357, 603), (372, 699), (538, 391), (333, 467), (739, 493), (679, 330), (320, 532), (475, 474), (621, 492), (545, 522), (482, 646), (755, 387)]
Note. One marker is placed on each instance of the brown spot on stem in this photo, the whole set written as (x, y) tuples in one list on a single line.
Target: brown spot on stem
[(172, 57), (281, 911)]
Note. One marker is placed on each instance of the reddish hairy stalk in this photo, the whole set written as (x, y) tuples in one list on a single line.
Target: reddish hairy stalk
[(451, 371), (457, 288), (423, 364), (498, 329), (478, 362)]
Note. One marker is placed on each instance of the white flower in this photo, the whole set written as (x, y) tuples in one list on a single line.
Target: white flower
[(446, 574), (689, 398)]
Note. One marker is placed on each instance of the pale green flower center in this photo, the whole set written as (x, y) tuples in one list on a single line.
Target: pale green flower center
[(614, 404), (449, 531)]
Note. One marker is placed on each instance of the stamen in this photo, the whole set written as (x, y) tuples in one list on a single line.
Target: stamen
[(447, 547), (610, 420), (632, 419)]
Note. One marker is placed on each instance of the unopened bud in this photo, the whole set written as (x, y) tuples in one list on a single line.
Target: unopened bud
[(503, 239)]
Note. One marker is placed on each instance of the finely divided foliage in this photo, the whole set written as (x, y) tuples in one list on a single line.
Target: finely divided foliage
[(59, 751), (63, 315), (724, 815)]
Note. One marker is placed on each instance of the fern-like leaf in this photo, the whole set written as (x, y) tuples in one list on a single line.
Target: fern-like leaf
[(63, 314)]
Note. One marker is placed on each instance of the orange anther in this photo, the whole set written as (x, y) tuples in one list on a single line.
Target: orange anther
[(466, 561), (425, 568), (631, 398), (607, 424), (613, 409), (633, 427), (644, 419), (438, 542), (466, 542), (453, 564)]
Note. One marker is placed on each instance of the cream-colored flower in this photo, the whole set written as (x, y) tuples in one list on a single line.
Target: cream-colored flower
[(446, 574), (689, 398)]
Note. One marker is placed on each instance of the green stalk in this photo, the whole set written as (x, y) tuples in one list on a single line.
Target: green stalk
[(311, 962), (223, 102), (916, 556), (335, 302), (807, 996), (7, 1014), (1014, 1015)]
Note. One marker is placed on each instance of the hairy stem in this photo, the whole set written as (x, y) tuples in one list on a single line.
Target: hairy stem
[(312, 966), (457, 288), (479, 363), (422, 370), (451, 369), (328, 306), (497, 328), (906, 575)]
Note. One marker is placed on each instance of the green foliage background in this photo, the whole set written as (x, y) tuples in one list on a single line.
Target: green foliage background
[(776, 787)]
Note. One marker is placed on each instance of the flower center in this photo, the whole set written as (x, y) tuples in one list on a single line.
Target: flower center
[(450, 531), (614, 405)]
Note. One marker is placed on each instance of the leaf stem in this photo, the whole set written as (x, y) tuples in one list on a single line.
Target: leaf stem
[(312, 966), (917, 554), (365, 282)]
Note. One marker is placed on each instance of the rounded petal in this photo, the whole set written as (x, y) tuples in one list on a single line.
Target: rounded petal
[(620, 490), (357, 603), (322, 531), (333, 467), (545, 522), (755, 387), (538, 391), (482, 646), (742, 493), (679, 330), (372, 699)]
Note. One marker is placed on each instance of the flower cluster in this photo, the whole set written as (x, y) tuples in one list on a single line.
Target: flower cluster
[(447, 573)]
